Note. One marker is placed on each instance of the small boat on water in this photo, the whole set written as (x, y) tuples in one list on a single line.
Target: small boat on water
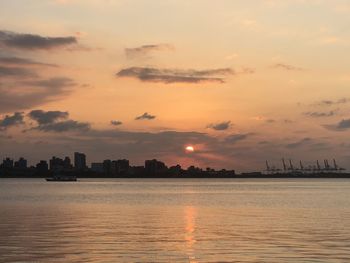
[(62, 178)]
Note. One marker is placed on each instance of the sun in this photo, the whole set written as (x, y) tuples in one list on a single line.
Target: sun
[(189, 148)]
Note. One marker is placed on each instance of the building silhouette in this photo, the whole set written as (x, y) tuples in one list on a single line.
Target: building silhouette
[(67, 164), (79, 161), (97, 167), (7, 163), (56, 163), (42, 167), (107, 167), (154, 167), (121, 166), (21, 163)]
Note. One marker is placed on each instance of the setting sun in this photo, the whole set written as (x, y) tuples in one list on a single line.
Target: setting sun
[(189, 148)]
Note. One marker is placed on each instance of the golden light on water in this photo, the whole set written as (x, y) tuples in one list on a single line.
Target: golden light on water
[(190, 220)]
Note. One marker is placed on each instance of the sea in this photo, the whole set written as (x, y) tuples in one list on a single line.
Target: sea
[(175, 220)]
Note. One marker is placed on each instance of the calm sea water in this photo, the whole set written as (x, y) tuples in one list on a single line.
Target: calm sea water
[(154, 220)]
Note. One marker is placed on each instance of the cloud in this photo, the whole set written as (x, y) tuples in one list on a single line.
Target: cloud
[(31, 42), (145, 116), (147, 136), (316, 114), (46, 117), (116, 123), (344, 124), (53, 83), (286, 67), (11, 120), (26, 94), (50, 121), (236, 137), (167, 145), (174, 75), (144, 50), (144, 144), (277, 121), (16, 72), (340, 126), (246, 70), (221, 126), (332, 102), (63, 126), (299, 143), (23, 62)]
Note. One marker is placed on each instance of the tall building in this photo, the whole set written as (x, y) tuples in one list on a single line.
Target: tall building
[(56, 163), (7, 163), (154, 167), (97, 167), (21, 163), (42, 167), (122, 166), (107, 167), (67, 163), (79, 161)]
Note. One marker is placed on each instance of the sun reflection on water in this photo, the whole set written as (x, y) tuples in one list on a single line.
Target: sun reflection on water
[(190, 228)]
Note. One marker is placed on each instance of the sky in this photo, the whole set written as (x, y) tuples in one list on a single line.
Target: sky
[(240, 81)]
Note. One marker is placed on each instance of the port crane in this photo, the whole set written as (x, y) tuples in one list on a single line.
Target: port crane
[(311, 169)]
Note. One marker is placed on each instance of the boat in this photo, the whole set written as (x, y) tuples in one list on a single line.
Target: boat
[(62, 178)]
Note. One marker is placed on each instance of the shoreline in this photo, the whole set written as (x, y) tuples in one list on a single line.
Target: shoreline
[(237, 176)]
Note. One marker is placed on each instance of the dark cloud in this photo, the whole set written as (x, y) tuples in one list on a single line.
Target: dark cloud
[(146, 49), (236, 137), (141, 144), (286, 67), (26, 94), (46, 117), (263, 142), (30, 41), (299, 143), (16, 72), (166, 145), (130, 136), (175, 76), (51, 121), (316, 114), (144, 144), (116, 123), (11, 120), (344, 124), (52, 83), (64, 126), (340, 126), (23, 62), (279, 121), (145, 116), (320, 146), (332, 102), (221, 126)]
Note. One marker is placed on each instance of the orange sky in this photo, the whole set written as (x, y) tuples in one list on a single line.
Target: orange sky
[(240, 81)]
